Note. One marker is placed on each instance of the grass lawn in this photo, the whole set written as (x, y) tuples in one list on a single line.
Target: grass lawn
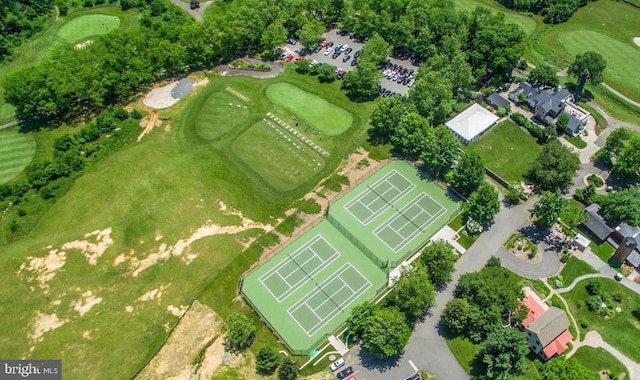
[(575, 268), (318, 113), (528, 24), (456, 223), (578, 142), (83, 27), (220, 114), (598, 359), (508, 150), (158, 202), (16, 152), (603, 251), (605, 26), (621, 331), (34, 50)]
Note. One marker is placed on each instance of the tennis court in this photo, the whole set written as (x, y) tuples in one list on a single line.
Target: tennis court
[(307, 290)]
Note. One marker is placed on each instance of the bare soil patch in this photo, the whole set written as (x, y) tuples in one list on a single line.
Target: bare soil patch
[(237, 94), (43, 323), (88, 301), (82, 45), (181, 357)]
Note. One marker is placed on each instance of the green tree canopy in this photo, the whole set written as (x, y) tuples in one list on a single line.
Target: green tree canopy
[(288, 370), (361, 84), (413, 294), (439, 258), (622, 206), (357, 321), (468, 174), (455, 316), (440, 152), (543, 76), (386, 333), (503, 354), (375, 51), (565, 369), (555, 167), (548, 209), (483, 205), (385, 117), (411, 135), (239, 332), (592, 62), (433, 96), (627, 165), (267, 359)]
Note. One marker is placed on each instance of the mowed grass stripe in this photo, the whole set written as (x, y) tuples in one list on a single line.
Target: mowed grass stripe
[(16, 152), (314, 110), (527, 24), (622, 72)]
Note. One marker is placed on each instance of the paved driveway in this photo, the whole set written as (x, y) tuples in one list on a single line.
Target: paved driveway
[(427, 349)]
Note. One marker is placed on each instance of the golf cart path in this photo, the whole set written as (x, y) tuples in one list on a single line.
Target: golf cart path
[(621, 96), (195, 13), (276, 68), (9, 124)]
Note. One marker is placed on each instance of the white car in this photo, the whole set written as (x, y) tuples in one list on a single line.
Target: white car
[(344, 47), (337, 364), (328, 51)]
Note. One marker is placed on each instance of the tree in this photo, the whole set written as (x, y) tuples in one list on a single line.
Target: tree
[(548, 209), (411, 135), (622, 206), (455, 316), (468, 174), (555, 167), (433, 96), (240, 332), (592, 62), (358, 319), (361, 84), (413, 294), (288, 370), (439, 258), (386, 333), (267, 359), (503, 354), (386, 116), (375, 51), (483, 205), (563, 121), (326, 74), (543, 76), (440, 152), (302, 66), (565, 369), (627, 165), (310, 33), (585, 195), (616, 141)]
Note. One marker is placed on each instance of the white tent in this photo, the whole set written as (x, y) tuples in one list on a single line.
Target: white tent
[(471, 123)]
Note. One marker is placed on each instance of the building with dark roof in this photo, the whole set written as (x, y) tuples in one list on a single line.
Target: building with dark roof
[(496, 101), (595, 224)]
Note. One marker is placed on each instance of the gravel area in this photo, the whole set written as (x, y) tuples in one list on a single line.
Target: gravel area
[(166, 96)]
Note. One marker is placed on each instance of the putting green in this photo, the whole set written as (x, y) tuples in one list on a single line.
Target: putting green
[(220, 114), (311, 109), (16, 152), (622, 72), (269, 150), (86, 26)]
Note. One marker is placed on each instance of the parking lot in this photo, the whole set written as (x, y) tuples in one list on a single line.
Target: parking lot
[(337, 39)]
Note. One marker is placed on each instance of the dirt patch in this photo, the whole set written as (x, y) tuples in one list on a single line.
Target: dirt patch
[(636, 41), (43, 323), (92, 251), (42, 269), (188, 345), (84, 44), (148, 124), (85, 304), (153, 294), (237, 94)]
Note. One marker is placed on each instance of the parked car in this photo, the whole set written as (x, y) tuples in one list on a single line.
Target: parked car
[(344, 47), (328, 51), (337, 364), (335, 55), (330, 44), (289, 58), (618, 277), (345, 372), (415, 376), (356, 54), (346, 58), (354, 62), (292, 41), (348, 50)]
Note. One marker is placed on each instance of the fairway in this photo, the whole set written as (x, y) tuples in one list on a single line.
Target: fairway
[(326, 117), (527, 24), (89, 25), (508, 150), (280, 158), (220, 114), (622, 72), (16, 152)]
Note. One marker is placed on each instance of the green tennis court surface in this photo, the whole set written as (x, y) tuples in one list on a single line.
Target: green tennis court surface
[(306, 292)]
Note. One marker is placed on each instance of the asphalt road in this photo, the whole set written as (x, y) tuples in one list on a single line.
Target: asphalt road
[(427, 349)]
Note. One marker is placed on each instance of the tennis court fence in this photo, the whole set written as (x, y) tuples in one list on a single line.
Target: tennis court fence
[(355, 241)]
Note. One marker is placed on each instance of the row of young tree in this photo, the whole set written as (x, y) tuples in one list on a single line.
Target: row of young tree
[(384, 328), (553, 11), (461, 50)]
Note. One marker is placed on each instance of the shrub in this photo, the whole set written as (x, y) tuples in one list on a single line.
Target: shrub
[(267, 359), (502, 111), (240, 332), (593, 288), (594, 304)]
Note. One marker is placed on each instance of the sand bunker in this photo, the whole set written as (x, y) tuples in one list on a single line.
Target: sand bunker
[(637, 41), (165, 97)]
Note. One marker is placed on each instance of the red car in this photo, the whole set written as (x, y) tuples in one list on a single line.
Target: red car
[(289, 58)]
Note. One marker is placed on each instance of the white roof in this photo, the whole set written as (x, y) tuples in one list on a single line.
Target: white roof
[(472, 122)]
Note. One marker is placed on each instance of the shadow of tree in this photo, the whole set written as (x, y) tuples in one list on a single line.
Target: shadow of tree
[(371, 362)]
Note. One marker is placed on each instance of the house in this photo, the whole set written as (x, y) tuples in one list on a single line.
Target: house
[(471, 123), (496, 101), (595, 224), (547, 104), (547, 327), (631, 234)]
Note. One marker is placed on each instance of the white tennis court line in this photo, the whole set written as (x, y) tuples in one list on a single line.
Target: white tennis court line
[(375, 213), (406, 240), (323, 321), (292, 287)]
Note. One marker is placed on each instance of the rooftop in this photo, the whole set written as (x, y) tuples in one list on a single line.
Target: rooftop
[(595, 223), (472, 122), (549, 325)]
